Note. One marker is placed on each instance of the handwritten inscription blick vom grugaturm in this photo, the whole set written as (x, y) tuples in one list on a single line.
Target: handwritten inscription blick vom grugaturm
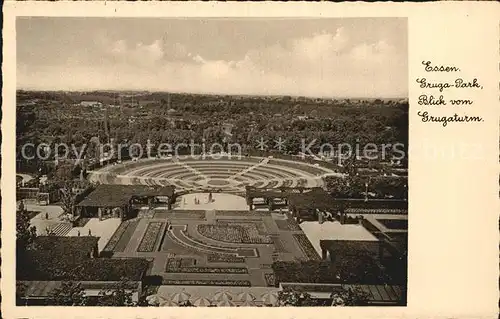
[(434, 95)]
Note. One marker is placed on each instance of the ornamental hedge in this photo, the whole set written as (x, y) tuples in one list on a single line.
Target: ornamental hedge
[(41, 266), (68, 258), (234, 283)]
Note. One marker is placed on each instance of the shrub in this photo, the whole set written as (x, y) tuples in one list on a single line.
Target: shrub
[(235, 283), (224, 258)]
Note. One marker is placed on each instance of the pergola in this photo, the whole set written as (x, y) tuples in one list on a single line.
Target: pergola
[(117, 200), (271, 198)]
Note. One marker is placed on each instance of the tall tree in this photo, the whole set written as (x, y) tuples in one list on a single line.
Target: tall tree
[(68, 199), (25, 233), (20, 293), (119, 295)]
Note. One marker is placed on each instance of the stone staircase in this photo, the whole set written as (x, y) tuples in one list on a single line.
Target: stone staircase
[(191, 169), (251, 168), (61, 229)]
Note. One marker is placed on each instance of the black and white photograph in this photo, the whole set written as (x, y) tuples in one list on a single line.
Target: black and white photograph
[(211, 162)]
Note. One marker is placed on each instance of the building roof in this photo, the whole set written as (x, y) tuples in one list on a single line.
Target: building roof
[(108, 195)]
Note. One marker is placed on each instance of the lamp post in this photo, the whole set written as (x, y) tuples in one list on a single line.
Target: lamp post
[(366, 191)]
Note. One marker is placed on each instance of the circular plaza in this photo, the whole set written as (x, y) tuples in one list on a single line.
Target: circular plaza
[(226, 174)]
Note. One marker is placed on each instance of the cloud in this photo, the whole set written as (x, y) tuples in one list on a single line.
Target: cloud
[(321, 45), (323, 64)]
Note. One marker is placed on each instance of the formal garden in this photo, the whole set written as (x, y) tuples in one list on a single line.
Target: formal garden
[(229, 248)]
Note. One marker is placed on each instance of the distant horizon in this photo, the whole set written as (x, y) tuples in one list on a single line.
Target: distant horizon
[(213, 94)]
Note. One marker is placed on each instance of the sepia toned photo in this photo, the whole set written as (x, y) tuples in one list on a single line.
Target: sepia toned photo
[(205, 162)]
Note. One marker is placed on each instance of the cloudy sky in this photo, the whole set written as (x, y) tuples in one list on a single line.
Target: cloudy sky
[(311, 57)]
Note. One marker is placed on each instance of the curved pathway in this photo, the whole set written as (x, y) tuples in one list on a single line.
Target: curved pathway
[(179, 234)]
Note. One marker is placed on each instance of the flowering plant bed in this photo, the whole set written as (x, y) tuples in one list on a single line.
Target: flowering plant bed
[(150, 237), (234, 283), (207, 270), (246, 233), (279, 246), (360, 210), (113, 241), (219, 258), (306, 246), (175, 263), (270, 280)]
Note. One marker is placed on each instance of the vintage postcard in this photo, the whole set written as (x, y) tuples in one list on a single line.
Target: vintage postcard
[(211, 157)]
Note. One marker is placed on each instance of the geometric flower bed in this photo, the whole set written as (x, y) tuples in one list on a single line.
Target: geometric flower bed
[(150, 237), (174, 263), (223, 258), (221, 233), (306, 247), (246, 233), (270, 279), (207, 270), (279, 246), (234, 283), (116, 237)]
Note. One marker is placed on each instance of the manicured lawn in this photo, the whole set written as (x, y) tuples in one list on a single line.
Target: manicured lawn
[(235, 232), (220, 258)]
